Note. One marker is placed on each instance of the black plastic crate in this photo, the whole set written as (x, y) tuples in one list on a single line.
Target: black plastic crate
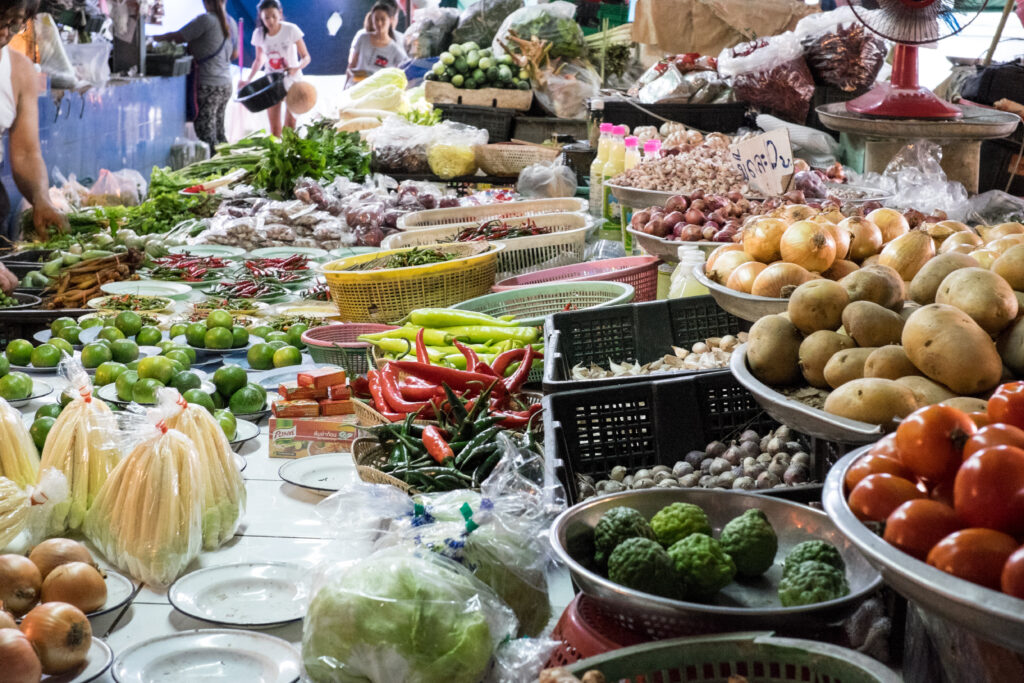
[(495, 120), (634, 332), (164, 65), (657, 423), (723, 118)]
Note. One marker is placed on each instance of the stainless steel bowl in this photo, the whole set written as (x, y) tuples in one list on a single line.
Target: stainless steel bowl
[(636, 198), (743, 604), (668, 250), (743, 306), (992, 615)]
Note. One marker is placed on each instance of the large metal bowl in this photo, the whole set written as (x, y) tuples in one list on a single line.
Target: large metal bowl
[(803, 418), (668, 250), (635, 198), (743, 604), (743, 306), (993, 616)]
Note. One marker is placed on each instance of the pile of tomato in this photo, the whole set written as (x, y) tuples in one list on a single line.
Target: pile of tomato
[(949, 488)]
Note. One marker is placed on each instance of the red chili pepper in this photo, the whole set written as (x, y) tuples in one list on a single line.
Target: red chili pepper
[(516, 420), (505, 359), (373, 384), (471, 358), (393, 395), (361, 387), (421, 347), (415, 389), (457, 380), (485, 369), (437, 447), (518, 378)]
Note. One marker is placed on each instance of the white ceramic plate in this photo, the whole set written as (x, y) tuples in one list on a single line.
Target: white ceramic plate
[(324, 473), (209, 655), (109, 393), (39, 390), (164, 303), (171, 290), (345, 252), (244, 431), (144, 351), (119, 591), (312, 253), (221, 250), (204, 353), (96, 664), (248, 594)]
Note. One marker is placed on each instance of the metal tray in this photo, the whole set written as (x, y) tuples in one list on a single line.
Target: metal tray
[(636, 198), (668, 250), (798, 416), (992, 615), (978, 123), (745, 306), (746, 605)]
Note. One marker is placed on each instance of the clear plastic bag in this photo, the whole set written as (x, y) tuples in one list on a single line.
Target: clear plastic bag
[(771, 74), (547, 180), (995, 207), (452, 155), (841, 51), (53, 58), (521, 660), (91, 61), (564, 89), (126, 187), (481, 21), (921, 184), (19, 460), (692, 87), (431, 32), (400, 147), (25, 511), (402, 615), (554, 22)]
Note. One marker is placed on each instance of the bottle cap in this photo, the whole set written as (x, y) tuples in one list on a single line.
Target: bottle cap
[(606, 128), (620, 130), (632, 141), (652, 145)]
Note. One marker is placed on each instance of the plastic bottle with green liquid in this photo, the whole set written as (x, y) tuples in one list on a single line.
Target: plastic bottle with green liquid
[(597, 168), (691, 257), (616, 164), (630, 160)]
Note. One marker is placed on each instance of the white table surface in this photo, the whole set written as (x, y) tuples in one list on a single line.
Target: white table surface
[(280, 524)]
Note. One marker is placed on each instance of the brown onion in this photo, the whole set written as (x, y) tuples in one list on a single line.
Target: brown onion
[(727, 263), (794, 213), (960, 238), (7, 619), (778, 277), (54, 552), (19, 583), (891, 222), (840, 269), (60, 634), (908, 253), (985, 257), (761, 239), (742, 277), (20, 664), (842, 238), (713, 256), (865, 237), (809, 245), (78, 584), (1003, 243), (1004, 229)]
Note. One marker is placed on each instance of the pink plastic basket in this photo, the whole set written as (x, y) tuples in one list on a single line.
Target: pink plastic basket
[(338, 344), (639, 271)]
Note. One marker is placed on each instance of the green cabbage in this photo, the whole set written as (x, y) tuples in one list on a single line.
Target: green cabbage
[(389, 76), (397, 616)]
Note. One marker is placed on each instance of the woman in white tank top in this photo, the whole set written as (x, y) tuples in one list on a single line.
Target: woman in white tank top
[(19, 116)]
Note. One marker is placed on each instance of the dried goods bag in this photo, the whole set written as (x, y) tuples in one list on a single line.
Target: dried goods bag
[(840, 51), (400, 147), (770, 74)]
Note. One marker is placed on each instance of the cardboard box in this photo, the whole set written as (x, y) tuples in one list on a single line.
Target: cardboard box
[(331, 407), (298, 437), (291, 391), (321, 378), (303, 407), (339, 392)]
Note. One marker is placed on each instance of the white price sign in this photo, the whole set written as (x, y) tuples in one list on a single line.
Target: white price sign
[(765, 162)]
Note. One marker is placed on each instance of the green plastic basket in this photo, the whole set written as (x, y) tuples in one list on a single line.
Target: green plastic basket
[(531, 305), (757, 656), (337, 344)]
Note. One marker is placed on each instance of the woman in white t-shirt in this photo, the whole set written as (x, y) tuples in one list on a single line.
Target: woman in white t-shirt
[(375, 47), (279, 47)]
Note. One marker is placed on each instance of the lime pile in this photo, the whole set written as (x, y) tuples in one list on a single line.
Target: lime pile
[(236, 392), (278, 349), (467, 66), (126, 325), (217, 332)]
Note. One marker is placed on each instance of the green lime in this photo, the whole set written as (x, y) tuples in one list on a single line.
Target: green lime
[(275, 345), (195, 335), (15, 386), (19, 352), (165, 346), (260, 331), (219, 318), (218, 400), (63, 344), (124, 350), (134, 365), (257, 387), (289, 355), (66, 397), (229, 378), (95, 355), (181, 357), (187, 349), (60, 323), (144, 391), (260, 357), (71, 334), (239, 337), (108, 322), (125, 383), (199, 397), (105, 342), (245, 400), (176, 366), (185, 380), (107, 373), (5, 366), (40, 429), (149, 336), (111, 334), (48, 356), (48, 410), (90, 322), (178, 329), (218, 338), (128, 322), (227, 422), (156, 367), (277, 336), (295, 335)]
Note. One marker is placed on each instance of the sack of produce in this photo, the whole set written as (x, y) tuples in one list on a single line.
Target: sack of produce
[(547, 180), (19, 460), (148, 516), (452, 153), (840, 50), (400, 147), (770, 74), (564, 88), (25, 510), (431, 32), (83, 444), (220, 478), (553, 22), (481, 21), (403, 616)]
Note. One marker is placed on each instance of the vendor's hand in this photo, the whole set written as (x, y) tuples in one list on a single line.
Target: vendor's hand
[(45, 215), (7, 280)]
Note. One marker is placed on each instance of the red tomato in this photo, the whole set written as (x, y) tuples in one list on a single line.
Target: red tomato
[(1007, 404), (886, 446), (877, 495), (989, 489), (917, 525), (977, 555), (994, 435), (942, 492), (931, 441), (875, 464), (980, 418), (1013, 574)]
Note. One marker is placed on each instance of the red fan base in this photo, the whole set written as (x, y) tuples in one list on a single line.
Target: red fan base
[(903, 97)]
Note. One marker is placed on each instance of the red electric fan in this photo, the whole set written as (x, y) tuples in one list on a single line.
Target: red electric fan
[(910, 23)]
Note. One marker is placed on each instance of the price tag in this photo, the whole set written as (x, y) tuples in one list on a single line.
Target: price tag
[(765, 162)]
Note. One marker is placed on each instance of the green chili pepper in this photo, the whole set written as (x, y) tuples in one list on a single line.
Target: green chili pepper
[(492, 333), (450, 317)]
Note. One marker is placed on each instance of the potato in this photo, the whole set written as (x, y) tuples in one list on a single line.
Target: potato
[(967, 404), (845, 366), (773, 351), (876, 283), (908, 308), (815, 352), (926, 391), (927, 281), (949, 347), (1010, 266), (981, 294), (872, 325), (1011, 346), (817, 305), (873, 400), (889, 362)]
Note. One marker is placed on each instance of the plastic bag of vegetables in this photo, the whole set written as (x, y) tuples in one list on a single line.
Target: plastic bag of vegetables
[(564, 88), (553, 22), (481, 21), (396, 615), (452, 153), (431, 32)]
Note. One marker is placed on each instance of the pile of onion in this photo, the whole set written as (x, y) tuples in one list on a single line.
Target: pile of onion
[(54, 552), (60, 634), (76, 583), (19, 583)]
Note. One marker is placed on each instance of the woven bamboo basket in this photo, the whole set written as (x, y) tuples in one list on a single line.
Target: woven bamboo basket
[(507, 159)]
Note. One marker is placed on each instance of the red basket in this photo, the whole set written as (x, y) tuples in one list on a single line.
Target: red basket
[(585, 630), (338, 344), (639, 271)]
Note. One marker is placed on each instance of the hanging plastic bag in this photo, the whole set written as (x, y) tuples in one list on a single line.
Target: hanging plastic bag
[(841, 51), (431, 32), (481, 21), (400, 147), (452, 153), (91, 61), (126, 187), (547, 180), (554, 22), (771, 74), (48, 46), (565, 88)]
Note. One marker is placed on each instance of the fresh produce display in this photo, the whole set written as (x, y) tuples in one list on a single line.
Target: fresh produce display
[(217, 331), (66, 574), (470, 66), (133, 302), (186, 268), (14, 507), (750, 463), (706, 355), (252, 288), (77, 283), (405, 259), (500, 230), (698, 217), (705, 166)]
